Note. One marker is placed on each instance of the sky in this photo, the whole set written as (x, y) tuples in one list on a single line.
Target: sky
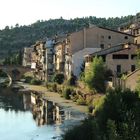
[(25, 12)]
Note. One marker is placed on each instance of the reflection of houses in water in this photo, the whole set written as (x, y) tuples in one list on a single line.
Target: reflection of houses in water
[(27, 101), (45, 112)]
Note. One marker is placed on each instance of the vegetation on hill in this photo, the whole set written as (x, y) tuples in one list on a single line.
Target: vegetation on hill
[(15, 38)]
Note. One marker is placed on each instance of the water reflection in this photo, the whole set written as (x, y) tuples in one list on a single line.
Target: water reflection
[(10, 100), (20, 110), (43, 111)]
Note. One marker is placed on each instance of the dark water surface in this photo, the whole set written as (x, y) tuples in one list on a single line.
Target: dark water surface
[(17, 121), (26, 116)]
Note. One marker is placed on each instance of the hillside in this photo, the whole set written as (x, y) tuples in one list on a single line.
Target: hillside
[(15, 38)]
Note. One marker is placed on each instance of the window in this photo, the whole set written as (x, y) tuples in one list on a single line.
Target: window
[(126, 37), (136, 41), (133, 67), (109, 45), (137, 31), (120, 56), (102, 46), (109, 37), (133, 56), (118, 68)]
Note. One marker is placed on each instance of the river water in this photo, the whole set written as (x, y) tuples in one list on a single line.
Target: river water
[(23, 118)]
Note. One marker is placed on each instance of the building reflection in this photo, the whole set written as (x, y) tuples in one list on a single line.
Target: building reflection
[(44, 111)]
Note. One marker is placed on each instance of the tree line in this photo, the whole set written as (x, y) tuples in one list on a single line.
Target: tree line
[(15, 38)]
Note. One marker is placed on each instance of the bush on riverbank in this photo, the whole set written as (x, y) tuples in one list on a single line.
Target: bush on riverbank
[(58, 78), (31, 80), (117, 117), (28, 79), (35, 82), (67, 93), (71, 81), (52, 87)]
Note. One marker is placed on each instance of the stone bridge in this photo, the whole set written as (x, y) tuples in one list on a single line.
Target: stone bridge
[(15, 72)]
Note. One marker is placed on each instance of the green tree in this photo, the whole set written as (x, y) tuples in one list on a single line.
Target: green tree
[(111, 130), (117, 118), (58, 78), (95, 75)]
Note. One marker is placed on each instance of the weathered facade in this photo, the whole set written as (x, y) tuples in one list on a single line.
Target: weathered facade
[(59, 56), (132, 28), (90, 40), (27, 56), (38, 60), (119, 59), (49, 65), (132, 79)]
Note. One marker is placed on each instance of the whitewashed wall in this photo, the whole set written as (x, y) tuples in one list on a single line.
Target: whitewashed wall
[(78, 59)]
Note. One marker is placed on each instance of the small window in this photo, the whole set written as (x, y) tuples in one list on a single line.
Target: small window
[(67, 50), (109, 45), (137, 31), (109, 37), (102, 46), (126, 37), (133, 67), (136, 41), (120, 56), (118, 68), (133, 56)]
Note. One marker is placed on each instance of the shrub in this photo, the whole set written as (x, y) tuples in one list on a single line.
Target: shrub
[(58, 78), (35, 82), (90, 109), (75, 98), (81, 101), (28, 79), (54, 87), (72, 80), (51, 87), (67, 92)]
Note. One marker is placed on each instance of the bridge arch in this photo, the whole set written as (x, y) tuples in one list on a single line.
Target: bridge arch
[(15, 73)]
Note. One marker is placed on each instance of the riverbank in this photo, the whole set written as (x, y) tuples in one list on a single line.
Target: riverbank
[(55, 97)]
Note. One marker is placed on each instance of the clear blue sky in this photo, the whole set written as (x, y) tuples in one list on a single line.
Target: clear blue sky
[(29, 11)]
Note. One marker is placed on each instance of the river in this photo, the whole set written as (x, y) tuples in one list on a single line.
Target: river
[(23, 118)]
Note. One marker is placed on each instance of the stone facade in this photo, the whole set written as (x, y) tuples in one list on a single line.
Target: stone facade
[(119, 59), (90, 40), (132, 79), (123, 61), (132, 28), (49, 65), (27, 57), (38, 60), (59, 57)]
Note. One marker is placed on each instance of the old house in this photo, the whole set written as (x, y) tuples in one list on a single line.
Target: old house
[(49, 53), (133, 27), (87, 41), (59, 57), (120, 59), (26, 62), (38, 60), (132, 79)]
